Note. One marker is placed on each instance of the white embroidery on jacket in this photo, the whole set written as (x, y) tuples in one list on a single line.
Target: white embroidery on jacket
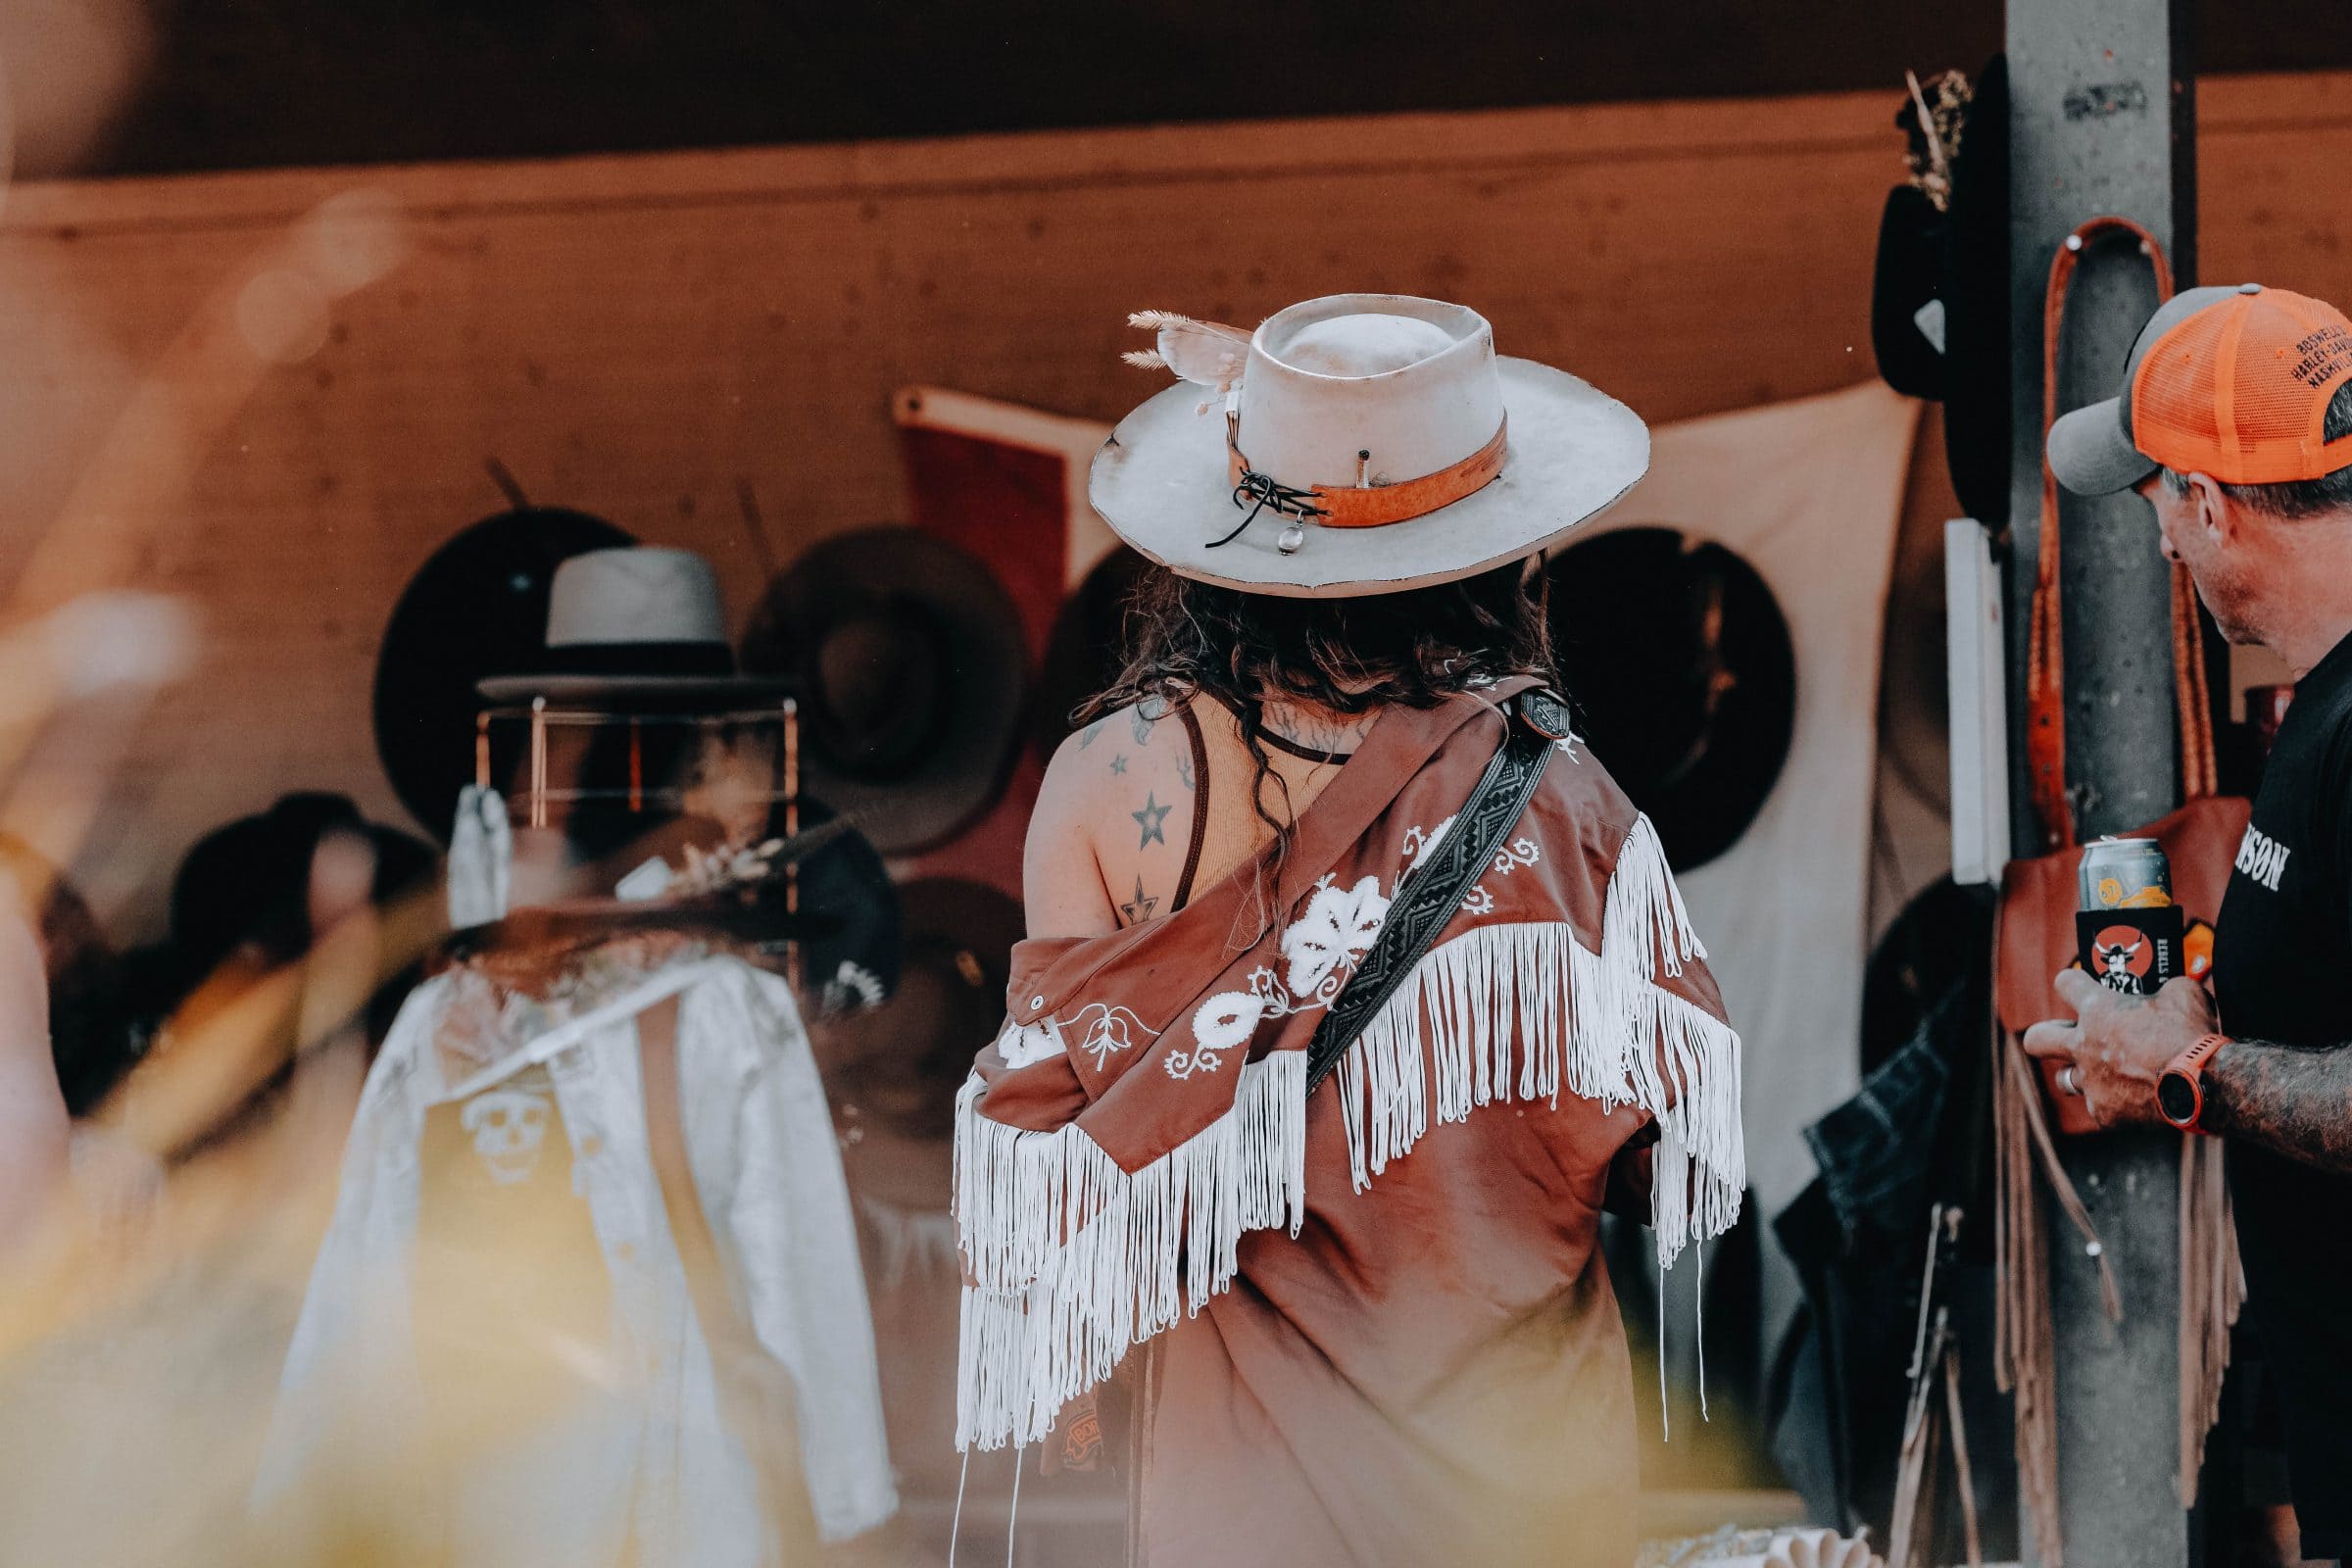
[(1321, 951), (1419, 842), (1112, 1030), (1224, 1021), (1516, 854), (1024, 1045), (1337, 927), (1102, 1031)]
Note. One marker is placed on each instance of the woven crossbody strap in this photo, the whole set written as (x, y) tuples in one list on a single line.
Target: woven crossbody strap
[(1538, 721)]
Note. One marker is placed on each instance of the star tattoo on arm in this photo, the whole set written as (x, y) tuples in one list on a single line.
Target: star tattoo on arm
[(1151, 819), (1141, 908), (1118, 763)]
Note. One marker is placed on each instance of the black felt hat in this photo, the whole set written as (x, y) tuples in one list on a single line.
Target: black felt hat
[(476, 608), (1939, 317), (913, 673), (1084, 652), (1907, 309), (900, 1064), (1685, 678), (1977, 433)]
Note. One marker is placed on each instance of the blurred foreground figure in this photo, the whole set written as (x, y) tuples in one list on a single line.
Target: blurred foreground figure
[(1331, 813), (35, 1131), (592, 1292)]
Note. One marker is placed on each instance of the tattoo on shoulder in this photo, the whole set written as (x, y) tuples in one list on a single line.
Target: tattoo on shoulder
[(1141, 907), (1085, 736), (1141, 725), (1152, 819), (1118, 763), (1184, 772)]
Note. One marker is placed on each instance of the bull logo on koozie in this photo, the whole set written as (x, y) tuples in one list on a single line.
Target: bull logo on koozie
[(2125, 956)]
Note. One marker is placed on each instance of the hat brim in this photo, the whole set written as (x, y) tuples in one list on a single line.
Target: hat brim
[(1160, 482), (2090, 455), (964, 768), (619, 691)]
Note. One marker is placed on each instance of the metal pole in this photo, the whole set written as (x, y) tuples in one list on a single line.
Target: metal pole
[(2102, 121)]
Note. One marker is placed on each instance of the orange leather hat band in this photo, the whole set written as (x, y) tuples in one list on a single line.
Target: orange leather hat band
[(1368, 505)]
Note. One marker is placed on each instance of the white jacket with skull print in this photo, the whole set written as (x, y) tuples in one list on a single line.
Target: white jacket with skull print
[(663, 1465)]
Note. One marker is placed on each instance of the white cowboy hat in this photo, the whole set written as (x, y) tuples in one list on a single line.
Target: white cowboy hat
[(1357, 444), (634, 623)]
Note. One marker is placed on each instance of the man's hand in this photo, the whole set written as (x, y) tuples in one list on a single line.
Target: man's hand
[(2119, 1045)]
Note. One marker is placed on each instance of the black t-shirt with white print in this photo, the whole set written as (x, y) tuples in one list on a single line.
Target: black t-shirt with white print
[(2283, 972)]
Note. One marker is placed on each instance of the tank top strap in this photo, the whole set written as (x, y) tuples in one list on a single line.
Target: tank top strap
[(1192, 854)]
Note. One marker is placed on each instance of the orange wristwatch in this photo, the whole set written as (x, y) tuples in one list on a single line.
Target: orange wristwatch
[(2181, 1087)]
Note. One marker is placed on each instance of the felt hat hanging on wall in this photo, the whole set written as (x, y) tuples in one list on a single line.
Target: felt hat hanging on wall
[(901, 1064), (639, 633), (1939, 290), (1908, 316), (1083, 648), (913, 673), (1357, 444), (1685, 679), (631, 625), (478, 606)]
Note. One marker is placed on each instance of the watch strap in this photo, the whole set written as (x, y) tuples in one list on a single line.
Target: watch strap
[(2181, 1087)]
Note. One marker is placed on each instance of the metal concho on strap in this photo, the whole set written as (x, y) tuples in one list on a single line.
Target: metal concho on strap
[(1364, 504)]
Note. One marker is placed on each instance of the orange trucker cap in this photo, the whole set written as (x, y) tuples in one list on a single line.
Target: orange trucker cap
[(2233, 382)]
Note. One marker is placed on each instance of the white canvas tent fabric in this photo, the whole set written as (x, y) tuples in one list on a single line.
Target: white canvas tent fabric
[(1809, 493)]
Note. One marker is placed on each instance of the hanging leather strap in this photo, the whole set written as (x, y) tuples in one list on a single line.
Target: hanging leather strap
[(2045, 654)]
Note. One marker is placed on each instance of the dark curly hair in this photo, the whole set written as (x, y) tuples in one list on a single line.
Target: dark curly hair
[(1187, 639)]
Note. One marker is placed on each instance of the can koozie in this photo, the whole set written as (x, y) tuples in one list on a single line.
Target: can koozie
[(2134, 951)]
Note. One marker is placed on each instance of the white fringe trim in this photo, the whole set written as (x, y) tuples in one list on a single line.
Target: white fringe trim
[(1472, 1001), (1073, 1261)]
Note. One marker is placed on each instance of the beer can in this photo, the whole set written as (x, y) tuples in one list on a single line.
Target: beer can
[(2125, 875)]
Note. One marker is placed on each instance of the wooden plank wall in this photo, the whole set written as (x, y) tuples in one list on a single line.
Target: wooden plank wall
[(635, 335)]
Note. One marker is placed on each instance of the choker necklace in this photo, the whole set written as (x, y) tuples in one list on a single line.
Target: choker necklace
[(1307, 753), (1286, 744)]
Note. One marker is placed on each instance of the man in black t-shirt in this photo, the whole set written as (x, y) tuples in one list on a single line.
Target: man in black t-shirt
[(2235, 422)]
